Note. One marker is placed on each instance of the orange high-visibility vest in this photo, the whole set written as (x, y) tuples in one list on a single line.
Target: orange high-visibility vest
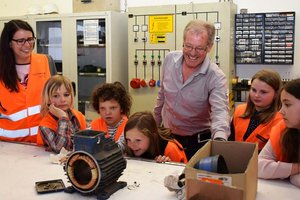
[(259, 135), (50, 122), (275, 139), (100, 125), (22, 109), (175, 152)]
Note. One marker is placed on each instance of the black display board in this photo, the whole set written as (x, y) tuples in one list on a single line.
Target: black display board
[(265, 38)]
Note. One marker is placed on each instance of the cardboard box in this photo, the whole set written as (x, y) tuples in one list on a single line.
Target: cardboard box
[(240, 183), (96, 5)]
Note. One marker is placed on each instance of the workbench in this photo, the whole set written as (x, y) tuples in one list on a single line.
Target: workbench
[(21, 165)]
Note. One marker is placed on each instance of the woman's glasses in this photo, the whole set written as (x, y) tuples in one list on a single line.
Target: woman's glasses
[(21, 42)]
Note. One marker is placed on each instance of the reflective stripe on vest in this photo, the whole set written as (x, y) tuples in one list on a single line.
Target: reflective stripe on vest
[(19, 133), (23, 113)]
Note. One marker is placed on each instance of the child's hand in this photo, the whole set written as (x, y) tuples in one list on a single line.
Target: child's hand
[(59, 113), (295, 179), (161, 159)]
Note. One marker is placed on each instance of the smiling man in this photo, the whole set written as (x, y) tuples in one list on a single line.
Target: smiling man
[(193, 100)]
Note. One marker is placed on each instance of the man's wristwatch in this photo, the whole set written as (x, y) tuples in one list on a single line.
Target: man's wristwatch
[(220, 139)]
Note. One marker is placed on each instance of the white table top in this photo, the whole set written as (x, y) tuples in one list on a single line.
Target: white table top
[(23, 165)]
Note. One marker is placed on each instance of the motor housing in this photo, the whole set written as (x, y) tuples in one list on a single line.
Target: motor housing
[(96, 164)]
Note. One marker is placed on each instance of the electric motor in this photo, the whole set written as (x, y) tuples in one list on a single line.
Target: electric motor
[(96, 164)]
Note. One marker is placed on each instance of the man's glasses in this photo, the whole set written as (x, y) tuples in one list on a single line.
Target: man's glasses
[(188, 47), (21, 42)]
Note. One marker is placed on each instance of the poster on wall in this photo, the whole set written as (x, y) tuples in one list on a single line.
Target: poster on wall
[(90, 32)]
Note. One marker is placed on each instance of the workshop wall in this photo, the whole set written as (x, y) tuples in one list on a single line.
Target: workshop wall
[(20, 7)]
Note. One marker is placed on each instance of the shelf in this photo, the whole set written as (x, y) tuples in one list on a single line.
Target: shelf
[(50, 45), (90, 45), (83, 102), (91, 74)]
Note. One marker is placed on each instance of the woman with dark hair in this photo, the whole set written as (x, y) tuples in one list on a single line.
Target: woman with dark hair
[(280, 158), (253, 120), (144, 139), (22, 78)]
